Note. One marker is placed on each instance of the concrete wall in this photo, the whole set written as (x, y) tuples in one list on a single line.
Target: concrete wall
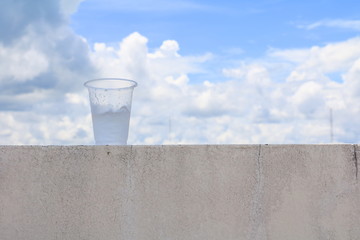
[(220, 192)]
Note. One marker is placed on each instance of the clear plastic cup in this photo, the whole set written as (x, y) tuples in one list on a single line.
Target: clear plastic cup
[(110, 101)]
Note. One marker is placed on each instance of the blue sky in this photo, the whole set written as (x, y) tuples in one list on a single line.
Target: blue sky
[(239, 72), (218, 26)]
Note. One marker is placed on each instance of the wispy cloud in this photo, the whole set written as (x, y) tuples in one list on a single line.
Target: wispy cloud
[(150, 5), (337, 23)]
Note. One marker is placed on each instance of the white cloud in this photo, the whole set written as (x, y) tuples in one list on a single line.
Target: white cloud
[(29, 127), (352, 80), (43, 64), (300, 102), (169, 48), (254, 107), (253, 73), (68, 7), (129, 60), (251, 106), (21, 62), (329, 58), (309, 98), (337, 23)]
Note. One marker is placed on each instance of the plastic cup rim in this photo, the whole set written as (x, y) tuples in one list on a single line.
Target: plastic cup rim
[(87, 83)]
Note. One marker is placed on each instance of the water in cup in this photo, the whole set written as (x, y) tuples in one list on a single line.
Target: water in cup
[(111, 127)]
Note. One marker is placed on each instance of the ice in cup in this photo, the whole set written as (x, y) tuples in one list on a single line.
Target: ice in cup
[(110, 101)]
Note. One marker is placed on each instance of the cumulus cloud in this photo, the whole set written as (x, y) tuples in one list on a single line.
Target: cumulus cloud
[(40, 52), (333, 57), (32, 62), (19, 16), (300, 102), (251, 105), (164, 90), (41, 61)]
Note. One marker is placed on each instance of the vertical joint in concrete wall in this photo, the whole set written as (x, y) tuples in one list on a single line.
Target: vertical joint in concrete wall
[(258, 157), (356, 163), (257, 214)]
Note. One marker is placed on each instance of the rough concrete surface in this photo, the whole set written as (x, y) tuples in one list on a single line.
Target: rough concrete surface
[(191, 192)]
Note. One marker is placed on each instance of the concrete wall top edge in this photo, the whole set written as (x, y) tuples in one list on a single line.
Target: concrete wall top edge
[(181, 145)]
